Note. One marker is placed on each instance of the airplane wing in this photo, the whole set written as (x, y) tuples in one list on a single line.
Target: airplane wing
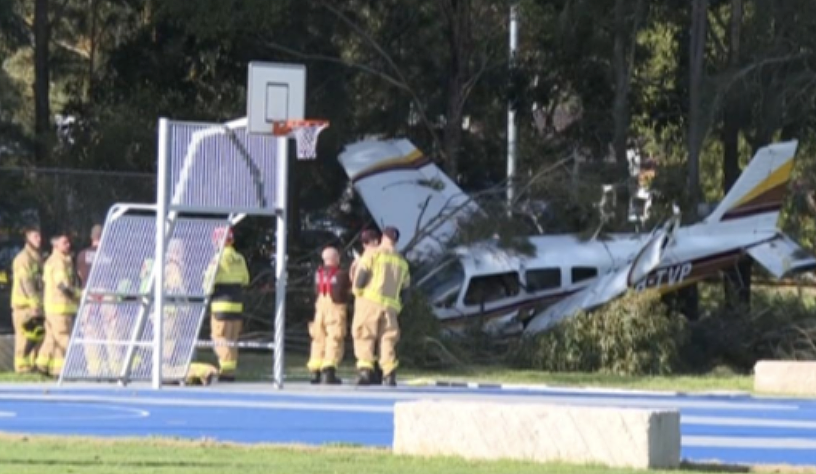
[(402, 187), (782, 256), (608, 286)]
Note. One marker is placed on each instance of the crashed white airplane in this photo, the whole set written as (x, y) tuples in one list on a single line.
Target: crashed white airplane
[(512, 293)]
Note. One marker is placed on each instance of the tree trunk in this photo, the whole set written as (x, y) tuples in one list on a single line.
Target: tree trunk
[(621, 115), (42, 88), (459, 42), (93, 46), (453, 128), (697, 126), (735, 286)]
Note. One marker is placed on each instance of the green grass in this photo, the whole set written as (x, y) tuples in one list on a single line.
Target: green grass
[(12, 377), (47, 455), (258, 367)]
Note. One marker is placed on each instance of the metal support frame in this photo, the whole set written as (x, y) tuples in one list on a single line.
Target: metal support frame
[(161, 253), (166, 215), (114, 212), (155, 303), (280, 256)]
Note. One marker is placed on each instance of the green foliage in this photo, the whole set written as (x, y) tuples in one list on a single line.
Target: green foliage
[(778, 326), (634, 335), (419, 345)]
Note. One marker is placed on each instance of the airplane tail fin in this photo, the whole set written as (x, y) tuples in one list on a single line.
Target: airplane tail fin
[(755, 200), (753, 205), (402, 187)]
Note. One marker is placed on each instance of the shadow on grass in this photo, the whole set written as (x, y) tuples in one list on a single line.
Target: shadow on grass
[(712, 467)]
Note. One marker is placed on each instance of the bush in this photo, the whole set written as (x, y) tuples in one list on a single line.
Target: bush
[(778, 326), (419, 344), (634, 335)]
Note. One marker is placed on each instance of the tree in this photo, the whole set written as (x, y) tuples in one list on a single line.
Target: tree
[(42, 81), (697, 123)]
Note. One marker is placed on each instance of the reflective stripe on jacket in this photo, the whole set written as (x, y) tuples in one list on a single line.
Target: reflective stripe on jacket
[(231, 276), (26, 290), (388, 275), (59, 270)]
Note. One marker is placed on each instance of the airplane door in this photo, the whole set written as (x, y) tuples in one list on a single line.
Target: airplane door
[(493, 300)]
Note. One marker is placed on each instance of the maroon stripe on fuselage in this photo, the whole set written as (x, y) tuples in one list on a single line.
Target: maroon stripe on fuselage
[(701, 268), (412, 165)]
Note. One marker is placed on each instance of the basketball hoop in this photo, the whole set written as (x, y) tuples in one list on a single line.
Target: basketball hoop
[(305, 132)]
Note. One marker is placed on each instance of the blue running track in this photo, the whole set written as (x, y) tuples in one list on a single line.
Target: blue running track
[(735, 429)]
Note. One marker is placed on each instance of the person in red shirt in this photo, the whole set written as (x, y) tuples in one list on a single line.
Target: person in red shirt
[(329, 327)]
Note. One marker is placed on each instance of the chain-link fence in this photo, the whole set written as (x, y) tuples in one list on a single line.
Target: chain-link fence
[(59, 199), (68, 199)]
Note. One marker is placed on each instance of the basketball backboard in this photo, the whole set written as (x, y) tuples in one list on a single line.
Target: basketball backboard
[(275, 91)]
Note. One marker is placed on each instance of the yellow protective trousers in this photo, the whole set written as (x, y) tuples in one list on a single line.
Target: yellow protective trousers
[(58, 329), (375, 324), (26, 344), (328, 331), (226, 330)]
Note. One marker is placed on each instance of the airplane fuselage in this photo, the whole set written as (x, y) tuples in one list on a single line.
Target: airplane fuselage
[(500, 290)]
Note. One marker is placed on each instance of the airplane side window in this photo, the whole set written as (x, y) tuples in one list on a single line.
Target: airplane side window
[(448, 301), (490, 288), (543, 279), (583, 273), (448, 278)]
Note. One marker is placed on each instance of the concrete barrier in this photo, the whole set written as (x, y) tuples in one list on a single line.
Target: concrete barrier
[(785, 377), (632, 438)]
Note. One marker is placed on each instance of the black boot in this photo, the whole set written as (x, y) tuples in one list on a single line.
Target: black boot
[(364, 377), (328, 377), (377, 375), (315, 377), (390, 379)]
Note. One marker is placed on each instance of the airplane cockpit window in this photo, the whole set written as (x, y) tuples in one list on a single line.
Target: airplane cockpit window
[(444, 282), (583, 273), (489, 288), (543, 279)]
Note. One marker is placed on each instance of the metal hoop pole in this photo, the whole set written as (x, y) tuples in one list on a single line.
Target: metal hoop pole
[(282, 178), (159, 259)]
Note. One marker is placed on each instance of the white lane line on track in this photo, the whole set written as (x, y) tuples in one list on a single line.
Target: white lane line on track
[(753, 443), (210, 403), (366, 408), (756, 422), (358, 406), (633, 402), (129, 413), (7, 414)]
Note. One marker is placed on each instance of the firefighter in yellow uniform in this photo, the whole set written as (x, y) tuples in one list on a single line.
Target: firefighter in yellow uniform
[(379, 284), (61, 300), (328, 329), (371, 242), (226, 309), (26, 302)]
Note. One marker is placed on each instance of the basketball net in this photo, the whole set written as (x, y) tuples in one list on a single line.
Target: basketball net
[(305, 133)]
